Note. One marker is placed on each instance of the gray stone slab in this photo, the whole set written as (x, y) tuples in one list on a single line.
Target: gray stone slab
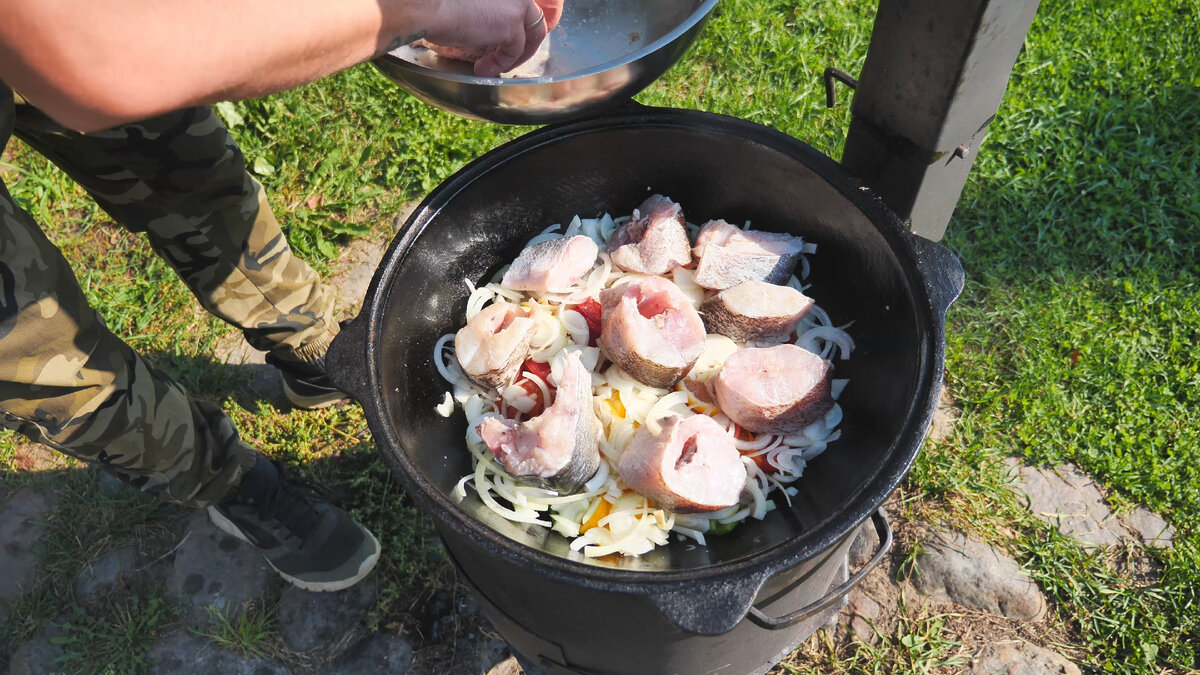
[(1068, 499), (214, 569), (379, 653), (1020, 658), (353, 269), (22, 522), (953, 568), (861, 614), (1071, 501), (234, 350), (944, 417), (104, 572), (111, 485), (37, 655), (184, 653), (490, 652), (1151, 529), (866, 542), (310, 620)]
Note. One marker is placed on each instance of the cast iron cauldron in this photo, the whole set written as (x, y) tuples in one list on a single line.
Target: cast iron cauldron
[(728, 607)]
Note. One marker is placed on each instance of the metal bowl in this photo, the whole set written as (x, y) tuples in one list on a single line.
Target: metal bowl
[(602, 52)]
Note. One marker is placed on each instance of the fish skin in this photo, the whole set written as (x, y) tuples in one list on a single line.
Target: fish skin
[(774, 390), (662, 467), (494, 344), (732, 313), (654, 241), (455, 53), (551, 265), (656, 351), (729, 255), (523, 451)]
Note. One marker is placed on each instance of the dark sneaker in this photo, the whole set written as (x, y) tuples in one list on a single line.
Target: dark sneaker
[(311, 543), (307, 386)]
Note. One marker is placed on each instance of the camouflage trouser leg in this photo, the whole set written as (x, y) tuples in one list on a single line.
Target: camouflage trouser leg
[(182, 180), (66, 381)]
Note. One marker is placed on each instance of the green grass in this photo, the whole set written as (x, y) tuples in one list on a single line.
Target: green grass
[(114, 639), (1076, 339), (248, 631)]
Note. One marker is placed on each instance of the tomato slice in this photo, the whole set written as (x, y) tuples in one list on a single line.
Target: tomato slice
[(590, 311), (761, 460), (542, 370)]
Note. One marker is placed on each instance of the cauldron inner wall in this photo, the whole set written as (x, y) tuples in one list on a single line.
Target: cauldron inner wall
[(855, 276)]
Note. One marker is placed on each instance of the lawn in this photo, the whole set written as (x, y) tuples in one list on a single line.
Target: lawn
[(1077, 338)]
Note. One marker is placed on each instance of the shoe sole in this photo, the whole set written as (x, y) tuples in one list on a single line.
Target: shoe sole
[(317, 402), (227, 526)]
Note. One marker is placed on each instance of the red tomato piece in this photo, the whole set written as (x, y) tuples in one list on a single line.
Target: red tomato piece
[(542, 370), (590, 310), (761, 460)]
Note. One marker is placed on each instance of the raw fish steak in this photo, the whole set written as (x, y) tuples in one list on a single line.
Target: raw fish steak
[(691, 466), (755, 311), (654, 241), (559, 449), (650, 329), (492, 346), (730, 255), (551, 265), (774, 390)]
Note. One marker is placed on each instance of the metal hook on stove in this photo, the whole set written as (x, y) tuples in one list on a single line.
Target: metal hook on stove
[(842, 76)]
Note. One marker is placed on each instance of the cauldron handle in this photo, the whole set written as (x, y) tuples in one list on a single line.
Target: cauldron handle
[(884, 530), (943, 272), (346, 360), (723, 606)]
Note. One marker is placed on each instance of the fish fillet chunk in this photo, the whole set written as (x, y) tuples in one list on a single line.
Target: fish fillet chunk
[(654, 241), (494, 344), (729, 255), (774, 390), (755, 311), (691, 466), (651, 330), (456, 53), (559, 449), (551, 265)]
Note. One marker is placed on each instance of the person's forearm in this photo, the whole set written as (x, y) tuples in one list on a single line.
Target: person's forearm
[(104, 63)]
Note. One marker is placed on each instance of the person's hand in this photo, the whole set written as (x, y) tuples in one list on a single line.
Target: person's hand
[(508, 32)]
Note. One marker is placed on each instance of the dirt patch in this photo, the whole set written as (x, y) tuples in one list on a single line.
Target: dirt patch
[(36, 458)]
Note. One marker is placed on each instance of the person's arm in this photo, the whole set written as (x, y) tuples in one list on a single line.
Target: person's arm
[(93, 65)]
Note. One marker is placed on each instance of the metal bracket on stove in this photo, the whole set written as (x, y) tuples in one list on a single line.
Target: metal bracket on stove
[(835, 75)]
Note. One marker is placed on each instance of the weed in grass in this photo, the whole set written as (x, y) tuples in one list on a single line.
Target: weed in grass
[(249, 631), (115, 641)]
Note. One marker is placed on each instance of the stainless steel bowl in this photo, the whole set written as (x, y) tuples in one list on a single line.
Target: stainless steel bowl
[(602, 52)]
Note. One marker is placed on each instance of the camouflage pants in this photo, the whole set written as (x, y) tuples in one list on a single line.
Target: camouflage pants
[(66, 380)]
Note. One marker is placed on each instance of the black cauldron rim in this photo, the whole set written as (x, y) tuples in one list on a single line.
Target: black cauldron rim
[(729, 587)]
